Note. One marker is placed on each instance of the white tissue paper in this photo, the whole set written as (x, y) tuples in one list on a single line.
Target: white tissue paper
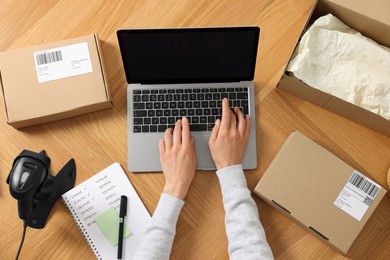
[(340, 61)]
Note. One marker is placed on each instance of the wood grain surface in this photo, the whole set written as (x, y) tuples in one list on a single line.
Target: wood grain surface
[(98, 139)]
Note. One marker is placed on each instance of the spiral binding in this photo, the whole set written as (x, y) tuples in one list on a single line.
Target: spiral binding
[(82, 229)]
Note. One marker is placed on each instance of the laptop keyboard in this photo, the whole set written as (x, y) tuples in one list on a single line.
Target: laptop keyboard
[(157, 109)]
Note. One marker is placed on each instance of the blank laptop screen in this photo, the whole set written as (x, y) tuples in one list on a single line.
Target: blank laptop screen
[(189, 55)]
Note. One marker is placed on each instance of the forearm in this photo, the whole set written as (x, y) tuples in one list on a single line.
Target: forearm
[(156, 242), (243, 228)]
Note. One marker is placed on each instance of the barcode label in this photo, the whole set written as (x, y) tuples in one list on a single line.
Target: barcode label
[(357, 195), (364, 184), (62, 62), (50, 57)]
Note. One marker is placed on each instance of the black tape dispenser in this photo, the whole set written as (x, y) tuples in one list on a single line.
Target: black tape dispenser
[(35, 189)]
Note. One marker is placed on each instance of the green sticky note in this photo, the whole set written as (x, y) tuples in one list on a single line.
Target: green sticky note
[(108, 223)]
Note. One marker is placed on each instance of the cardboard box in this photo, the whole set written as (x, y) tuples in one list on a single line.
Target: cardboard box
[(313, 187), (372, 19), (53, 81)]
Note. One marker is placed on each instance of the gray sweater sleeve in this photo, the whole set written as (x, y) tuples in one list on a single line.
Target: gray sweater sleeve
[(157, 240), (244, 231), (243, 228)]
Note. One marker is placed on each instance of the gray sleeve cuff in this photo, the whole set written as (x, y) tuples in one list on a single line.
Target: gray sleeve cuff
[(232, 178), (168, 209)]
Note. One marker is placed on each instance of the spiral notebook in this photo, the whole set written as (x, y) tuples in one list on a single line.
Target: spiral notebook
[(98, 195)]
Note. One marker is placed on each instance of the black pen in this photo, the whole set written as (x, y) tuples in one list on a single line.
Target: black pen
[(122, 214)]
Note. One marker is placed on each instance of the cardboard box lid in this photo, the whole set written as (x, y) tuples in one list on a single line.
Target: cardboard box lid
[(26, 98), (304, 180)]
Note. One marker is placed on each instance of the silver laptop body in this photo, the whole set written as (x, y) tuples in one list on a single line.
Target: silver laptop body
[(143, 147)]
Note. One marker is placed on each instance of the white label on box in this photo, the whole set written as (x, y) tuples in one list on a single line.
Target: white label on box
[(62, 62), (357, 195)]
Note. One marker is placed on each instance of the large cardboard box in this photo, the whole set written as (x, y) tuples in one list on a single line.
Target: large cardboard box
[(319, 191), (372, 19), (53, 81)]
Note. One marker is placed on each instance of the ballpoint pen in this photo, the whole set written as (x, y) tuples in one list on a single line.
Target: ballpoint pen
[(122, 214)]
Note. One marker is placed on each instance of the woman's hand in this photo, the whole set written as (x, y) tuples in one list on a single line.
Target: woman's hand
[(178, 159), (228, 139)]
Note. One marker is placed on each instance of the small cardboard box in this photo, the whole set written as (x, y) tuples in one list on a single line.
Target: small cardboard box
[(53, 81), (319, 191), (372, 19)]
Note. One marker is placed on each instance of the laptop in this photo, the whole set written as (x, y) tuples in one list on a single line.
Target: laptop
[(179, 72)]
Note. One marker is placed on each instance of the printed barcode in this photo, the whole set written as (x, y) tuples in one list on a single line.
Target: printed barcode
[(49, 57), (364, 184)]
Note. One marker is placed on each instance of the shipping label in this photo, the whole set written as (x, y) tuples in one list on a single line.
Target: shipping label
[(357, 195), (62, 62)]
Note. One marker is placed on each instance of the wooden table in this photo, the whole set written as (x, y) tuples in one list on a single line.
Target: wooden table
[(98, 139)]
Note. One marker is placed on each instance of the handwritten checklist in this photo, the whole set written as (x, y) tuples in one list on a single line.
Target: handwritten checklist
[(94, 197)]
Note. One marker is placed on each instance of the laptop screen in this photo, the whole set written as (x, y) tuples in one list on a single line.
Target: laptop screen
[(189, 55)]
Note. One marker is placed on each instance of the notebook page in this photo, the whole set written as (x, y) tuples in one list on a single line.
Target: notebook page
[(94, 196)]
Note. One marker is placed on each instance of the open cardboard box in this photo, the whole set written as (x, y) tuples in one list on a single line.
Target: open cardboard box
[(53, 81), (372, 19), (319, 191)]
